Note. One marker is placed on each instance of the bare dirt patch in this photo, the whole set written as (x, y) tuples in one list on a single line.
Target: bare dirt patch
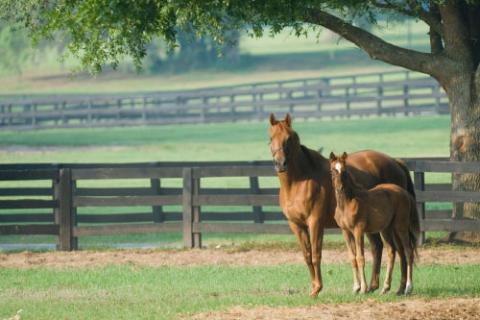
[(464, 309), (155, 258)]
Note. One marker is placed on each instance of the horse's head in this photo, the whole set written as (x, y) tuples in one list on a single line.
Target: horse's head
[(338, 168), (284, 142)]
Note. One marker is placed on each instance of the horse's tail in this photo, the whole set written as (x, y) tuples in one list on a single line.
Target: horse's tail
[(410, 187), (414, 227)]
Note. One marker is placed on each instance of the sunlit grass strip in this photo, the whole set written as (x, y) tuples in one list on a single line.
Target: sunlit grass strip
[(132, 292)]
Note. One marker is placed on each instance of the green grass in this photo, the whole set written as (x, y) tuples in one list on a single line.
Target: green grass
[(133, 292), (400, 137)]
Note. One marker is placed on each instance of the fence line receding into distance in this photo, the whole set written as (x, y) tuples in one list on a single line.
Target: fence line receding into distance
[(385, 93)]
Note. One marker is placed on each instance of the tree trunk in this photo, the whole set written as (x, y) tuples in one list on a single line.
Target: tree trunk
[(465, 141)]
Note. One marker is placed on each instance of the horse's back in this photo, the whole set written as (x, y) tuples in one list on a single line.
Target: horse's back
[(372, 167), (397, 196)]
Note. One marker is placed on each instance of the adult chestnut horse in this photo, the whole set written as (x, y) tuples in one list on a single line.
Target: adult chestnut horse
[(307, 198)]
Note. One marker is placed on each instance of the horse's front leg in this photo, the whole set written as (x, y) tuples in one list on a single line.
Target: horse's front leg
[(301, 234), (315, 228), (359, 246)]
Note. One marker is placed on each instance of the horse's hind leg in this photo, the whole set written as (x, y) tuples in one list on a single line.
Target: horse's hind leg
[(389, 246), (403, 265), (408, 251), (302, 236), (350, 241), (376, 247)]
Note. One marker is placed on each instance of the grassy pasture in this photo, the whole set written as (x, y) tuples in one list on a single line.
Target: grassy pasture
[(399, 137), (133, 292)]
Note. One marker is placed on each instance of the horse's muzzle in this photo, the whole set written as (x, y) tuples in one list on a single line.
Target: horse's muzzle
[(280, 166)]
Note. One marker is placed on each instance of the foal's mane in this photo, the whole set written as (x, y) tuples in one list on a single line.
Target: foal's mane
[(353, 188)]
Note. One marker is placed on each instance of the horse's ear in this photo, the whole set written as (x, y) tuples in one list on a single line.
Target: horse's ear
[(288, 120), (344, 156), (332, 156), (273, 121)]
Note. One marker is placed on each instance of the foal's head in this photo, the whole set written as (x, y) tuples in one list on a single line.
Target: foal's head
[(338, 168), (284, 142)]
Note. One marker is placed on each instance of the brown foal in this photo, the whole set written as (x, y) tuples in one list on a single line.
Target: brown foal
[(307, 198), (387, 209)]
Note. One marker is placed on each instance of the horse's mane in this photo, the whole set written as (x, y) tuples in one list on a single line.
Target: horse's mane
[(307, 153)]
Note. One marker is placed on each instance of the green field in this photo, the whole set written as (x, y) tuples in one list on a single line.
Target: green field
[(134, 292), (399, 137)]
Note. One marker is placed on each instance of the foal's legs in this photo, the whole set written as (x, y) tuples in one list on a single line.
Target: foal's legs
[(301, 233), (389, 246), (376, 247), (350, 241), (360, 255)]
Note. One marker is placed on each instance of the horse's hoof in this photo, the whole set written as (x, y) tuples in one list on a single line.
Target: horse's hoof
[(385, 290), (408, 289), (315, 291), (356, 289), (363, 290), (373, 288)]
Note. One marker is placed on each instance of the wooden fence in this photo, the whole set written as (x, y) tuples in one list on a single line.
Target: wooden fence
[(187, 208), (387, 93)]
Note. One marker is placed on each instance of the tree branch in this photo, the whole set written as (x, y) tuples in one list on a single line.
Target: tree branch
[(414, 10), (378, 48)]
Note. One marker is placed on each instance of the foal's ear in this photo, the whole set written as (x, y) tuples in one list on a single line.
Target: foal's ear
[(288, 120), (332, 156), (273, 121), (344, 156)]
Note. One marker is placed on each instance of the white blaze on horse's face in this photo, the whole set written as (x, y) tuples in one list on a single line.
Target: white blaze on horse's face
[(338, 167)]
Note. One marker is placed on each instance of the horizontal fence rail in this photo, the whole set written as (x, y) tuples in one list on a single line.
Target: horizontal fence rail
[(395, 92), (69, 200)]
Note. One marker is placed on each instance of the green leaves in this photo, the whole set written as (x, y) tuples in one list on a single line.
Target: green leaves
[(103, 32)]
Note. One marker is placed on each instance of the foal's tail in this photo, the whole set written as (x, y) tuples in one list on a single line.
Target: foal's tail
[(410, 188), (414, 227)]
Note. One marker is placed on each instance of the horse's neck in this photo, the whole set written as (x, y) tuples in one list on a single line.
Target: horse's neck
[(347, 191), (301, 168)]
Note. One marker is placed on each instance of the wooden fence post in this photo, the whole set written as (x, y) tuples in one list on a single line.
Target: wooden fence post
[(258, 216), (197, 237), (187, 197), (457, 207), (419, 182), (379, 99), (157, 211), (405, 98), (64, 212)]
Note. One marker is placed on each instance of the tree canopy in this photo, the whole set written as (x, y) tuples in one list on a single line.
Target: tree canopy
[(101, 32)]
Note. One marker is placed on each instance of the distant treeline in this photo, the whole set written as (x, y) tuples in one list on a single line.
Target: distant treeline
[(193, 52)]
